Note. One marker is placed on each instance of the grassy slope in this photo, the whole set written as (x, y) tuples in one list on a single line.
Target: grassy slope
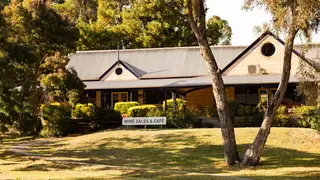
[(290, 154)]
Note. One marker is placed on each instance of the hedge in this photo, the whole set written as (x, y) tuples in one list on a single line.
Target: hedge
[(123, 107), (140, 111), (83, 111)]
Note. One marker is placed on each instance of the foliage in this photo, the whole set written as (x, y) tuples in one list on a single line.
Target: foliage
[(309, 79), (246, 110), (211, 112), (217, 27), (73, 10), (28, 31), (105, 118), (134, 24), (180, 104), (282, 117), (83, 111), (309, 116), (123, 107), (185, 118), (140, 111), (60, 84), (257, 119), (233, 107), (302, 15), (56, 120)]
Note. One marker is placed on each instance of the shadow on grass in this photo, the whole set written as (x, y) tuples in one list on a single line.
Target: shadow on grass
[(297, 175), (163, 153), (177, 151), (45, 166)]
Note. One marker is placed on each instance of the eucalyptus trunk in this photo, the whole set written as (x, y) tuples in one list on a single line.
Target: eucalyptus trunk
[(229, 142), (253, 153), (196, 18)]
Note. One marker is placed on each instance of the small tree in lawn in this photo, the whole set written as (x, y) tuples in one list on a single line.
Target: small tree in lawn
[(289, 17)]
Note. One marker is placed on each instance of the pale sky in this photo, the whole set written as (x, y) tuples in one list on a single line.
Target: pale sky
[(241, 21)]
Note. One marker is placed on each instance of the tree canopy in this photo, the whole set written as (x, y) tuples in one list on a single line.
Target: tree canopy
[(135, 24)]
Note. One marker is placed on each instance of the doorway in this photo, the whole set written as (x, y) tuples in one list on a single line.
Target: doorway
[(118, 97)]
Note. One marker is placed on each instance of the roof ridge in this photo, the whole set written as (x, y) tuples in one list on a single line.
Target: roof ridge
[(162, 48)]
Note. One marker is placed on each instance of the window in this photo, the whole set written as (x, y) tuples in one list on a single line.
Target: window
[(268, 49), (119, 71)]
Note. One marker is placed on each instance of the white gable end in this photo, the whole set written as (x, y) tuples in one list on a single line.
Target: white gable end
[(254, 62), (119, 72)]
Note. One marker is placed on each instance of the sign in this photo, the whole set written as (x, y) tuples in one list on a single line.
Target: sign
[(144, 121)]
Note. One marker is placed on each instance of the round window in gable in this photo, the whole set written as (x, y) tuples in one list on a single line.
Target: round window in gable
[(119, 71), (268, 49)]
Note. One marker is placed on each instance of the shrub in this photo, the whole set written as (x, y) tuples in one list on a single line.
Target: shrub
[(179, 119), (140, 111), (257, 119), (309, 116), (211, 112), (233, 106), (281, 117), (30, 125), (123, 107), (180, 104), (83, 111), (246, 111), (56, 120), (105, 118)]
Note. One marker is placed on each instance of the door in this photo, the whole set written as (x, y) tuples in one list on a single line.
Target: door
[(118, 97)]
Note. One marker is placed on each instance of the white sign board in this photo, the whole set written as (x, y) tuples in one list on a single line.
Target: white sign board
[(144, 121)]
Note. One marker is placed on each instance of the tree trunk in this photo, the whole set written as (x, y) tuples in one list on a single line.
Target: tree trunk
[(229, 142), (198, 27), (253, 153)]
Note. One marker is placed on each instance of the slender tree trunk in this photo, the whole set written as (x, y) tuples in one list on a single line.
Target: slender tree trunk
[(253, 153), (229, 142), (197, 11)]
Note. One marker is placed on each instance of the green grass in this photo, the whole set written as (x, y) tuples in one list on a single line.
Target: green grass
[(290, 153)]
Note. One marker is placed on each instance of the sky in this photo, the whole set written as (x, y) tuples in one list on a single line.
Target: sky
[(241, 21)]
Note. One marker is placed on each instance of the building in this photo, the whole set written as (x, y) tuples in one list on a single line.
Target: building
[(150, 76)]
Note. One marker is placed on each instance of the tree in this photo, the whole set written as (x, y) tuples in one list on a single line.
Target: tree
[(218, 31), (60, 84), (137, 24), (194, 12), (309, 82), (73, 10), (30, 31), (289, 17)]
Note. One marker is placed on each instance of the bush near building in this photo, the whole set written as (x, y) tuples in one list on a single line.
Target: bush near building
[(123, 107), (140, 111), (56, 120)]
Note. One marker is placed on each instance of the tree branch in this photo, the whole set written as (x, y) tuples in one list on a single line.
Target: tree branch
[(314, 64), (191, 21)]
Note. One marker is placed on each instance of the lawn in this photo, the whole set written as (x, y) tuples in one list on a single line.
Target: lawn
[(290, 153)]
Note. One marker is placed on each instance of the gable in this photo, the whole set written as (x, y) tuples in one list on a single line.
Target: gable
[(118, 72), (254, 62)]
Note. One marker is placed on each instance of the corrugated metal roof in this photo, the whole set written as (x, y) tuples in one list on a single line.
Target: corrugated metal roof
[(152, 63), (185, 82)]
